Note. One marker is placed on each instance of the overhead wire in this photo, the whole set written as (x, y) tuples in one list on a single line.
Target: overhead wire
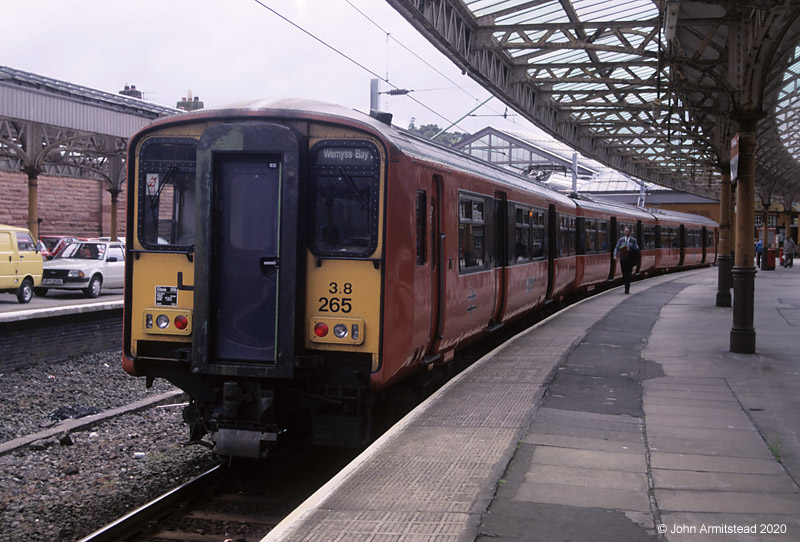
[(345, 55), (421, 59)]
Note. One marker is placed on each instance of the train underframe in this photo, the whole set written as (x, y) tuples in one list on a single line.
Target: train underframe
[(328, 401)]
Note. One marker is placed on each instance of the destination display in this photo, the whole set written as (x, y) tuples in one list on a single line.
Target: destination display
[(345, 156)]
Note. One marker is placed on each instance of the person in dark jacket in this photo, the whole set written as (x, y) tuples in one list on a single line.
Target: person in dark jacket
[(788, 251), (627, 250)]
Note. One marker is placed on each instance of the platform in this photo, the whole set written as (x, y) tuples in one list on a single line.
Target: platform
[(618, 418), (60, 325)]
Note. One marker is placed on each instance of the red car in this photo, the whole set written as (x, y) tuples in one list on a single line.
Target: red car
[(54, 244)]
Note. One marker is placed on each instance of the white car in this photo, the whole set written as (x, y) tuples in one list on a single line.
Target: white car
[(89, 266)]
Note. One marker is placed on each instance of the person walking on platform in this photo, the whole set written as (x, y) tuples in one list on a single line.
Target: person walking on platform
[(788, 251), (759, 250), (627, 250)]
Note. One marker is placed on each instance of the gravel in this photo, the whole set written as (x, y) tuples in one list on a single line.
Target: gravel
[(39, 396), (67, 486)]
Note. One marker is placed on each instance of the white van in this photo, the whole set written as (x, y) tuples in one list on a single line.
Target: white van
[(20, 263)]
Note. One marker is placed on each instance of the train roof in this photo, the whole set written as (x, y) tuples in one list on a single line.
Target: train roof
[(589, 202), (662, 214), (413, 146), (409, 144)]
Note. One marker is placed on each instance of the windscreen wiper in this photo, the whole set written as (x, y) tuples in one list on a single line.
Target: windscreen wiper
[(155, 198), (364, 204)]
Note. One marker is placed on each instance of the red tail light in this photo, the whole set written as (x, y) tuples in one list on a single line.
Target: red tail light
[(321, 329), (181, 321)]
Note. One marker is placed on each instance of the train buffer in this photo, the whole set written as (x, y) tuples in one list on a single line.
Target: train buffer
[(619, 418)]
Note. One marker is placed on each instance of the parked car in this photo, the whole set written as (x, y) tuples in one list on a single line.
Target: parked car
[(20, 263), (54, 244), (89, 266)]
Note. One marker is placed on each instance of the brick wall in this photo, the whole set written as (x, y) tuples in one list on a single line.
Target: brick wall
[(67, 206), (42, 340)]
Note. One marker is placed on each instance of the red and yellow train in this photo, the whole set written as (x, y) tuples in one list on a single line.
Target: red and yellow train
[(289, 260)]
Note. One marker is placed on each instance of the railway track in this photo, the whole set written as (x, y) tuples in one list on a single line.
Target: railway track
[(138, 519), (237, 502)]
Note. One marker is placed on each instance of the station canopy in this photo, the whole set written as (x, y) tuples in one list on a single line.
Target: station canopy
[(654, 88)]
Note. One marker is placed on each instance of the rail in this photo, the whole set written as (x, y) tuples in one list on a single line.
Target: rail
[(133, 522)]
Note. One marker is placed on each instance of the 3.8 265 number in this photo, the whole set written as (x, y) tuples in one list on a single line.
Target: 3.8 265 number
[(337, 304)]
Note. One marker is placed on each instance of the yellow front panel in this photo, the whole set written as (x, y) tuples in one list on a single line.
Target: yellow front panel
[(155, 283), (346, 291), (343, 291)]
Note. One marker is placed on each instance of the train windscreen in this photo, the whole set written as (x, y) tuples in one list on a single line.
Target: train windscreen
[(167, 193), (344, 198)]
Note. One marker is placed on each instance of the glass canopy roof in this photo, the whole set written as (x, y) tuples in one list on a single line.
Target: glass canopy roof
[(649, 87)]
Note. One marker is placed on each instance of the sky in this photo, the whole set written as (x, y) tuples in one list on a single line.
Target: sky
[(228, 51)]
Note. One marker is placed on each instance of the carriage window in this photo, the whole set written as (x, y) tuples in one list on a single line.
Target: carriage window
[(471, 229), (669, 237), (649, 236), (602, 236), (538, 239), (344, 196), (167, 193), (528, 234), (522, 235), (591, 236), (566, 245)]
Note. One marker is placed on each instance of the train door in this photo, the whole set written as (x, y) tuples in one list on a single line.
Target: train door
[(640, 241), (247, 248), (500, 256), (552, 249), (613, 237), (430, 259), (704, 241), (682, 244)]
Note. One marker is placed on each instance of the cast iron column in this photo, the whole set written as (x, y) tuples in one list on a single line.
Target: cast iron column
[(31, 166), (764, 235), (743, 334), (724, 280), (33, 201), (732, 221)]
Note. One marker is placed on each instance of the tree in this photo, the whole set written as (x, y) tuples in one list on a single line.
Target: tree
[(429, 130)]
